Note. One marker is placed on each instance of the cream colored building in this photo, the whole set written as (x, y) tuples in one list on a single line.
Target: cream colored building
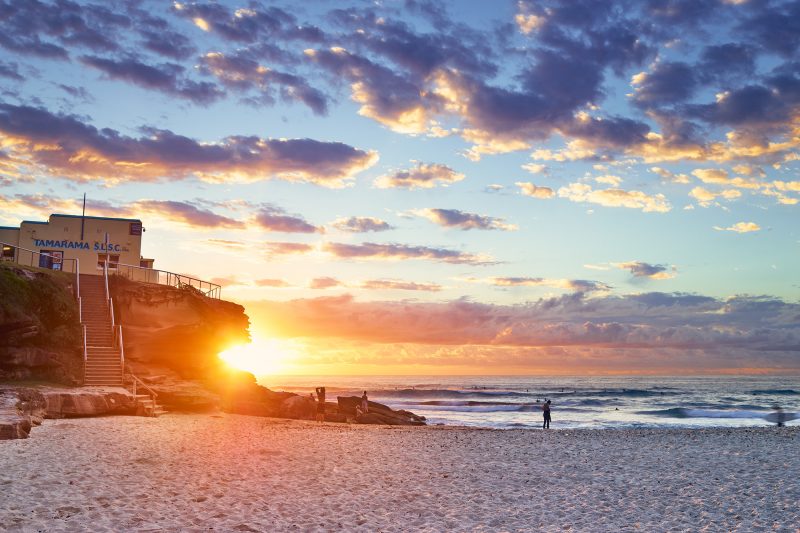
[(90, 240)]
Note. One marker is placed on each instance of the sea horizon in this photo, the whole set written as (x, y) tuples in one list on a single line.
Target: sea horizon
[(590, 402)]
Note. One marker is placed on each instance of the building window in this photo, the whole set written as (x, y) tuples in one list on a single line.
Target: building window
[(8, 253), (113, 260)]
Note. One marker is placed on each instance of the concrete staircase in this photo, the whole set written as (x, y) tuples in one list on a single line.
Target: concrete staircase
[(103, 363)]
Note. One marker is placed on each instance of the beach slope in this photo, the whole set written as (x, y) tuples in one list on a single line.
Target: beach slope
[(239, 473)]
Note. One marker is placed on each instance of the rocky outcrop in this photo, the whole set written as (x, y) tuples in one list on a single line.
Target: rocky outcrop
[(39, 328), (82, 402), (299, 407), (22, 408), (17, 416), (377, 413)]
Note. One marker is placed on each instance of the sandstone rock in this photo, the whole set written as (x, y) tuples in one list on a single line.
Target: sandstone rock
[(73, 403), (298, 407), (378, 413), (20, 410)]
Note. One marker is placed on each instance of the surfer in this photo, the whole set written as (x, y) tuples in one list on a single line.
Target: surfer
[(546, 414)]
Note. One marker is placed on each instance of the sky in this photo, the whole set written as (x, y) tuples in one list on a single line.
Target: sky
[(419, 187)]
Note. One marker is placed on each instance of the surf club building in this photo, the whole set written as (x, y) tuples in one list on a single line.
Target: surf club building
[(93, 241)]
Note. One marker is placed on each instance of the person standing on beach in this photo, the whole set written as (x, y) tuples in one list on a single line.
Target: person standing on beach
[(546, 414), (364, 403), (320, 404)]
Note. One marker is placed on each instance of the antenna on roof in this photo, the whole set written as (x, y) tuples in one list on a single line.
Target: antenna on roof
[(83, 214)]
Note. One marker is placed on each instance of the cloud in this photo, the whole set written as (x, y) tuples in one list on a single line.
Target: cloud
[(240, 72), (422, 176), (396, 252), (740, 227), (536, 191), (603, 333), (668, 83), (609, 179), (10, 71), (581, 192), (324, 283), (706, 198), (719, 176), (226, 244), (670, 176), (361, 224), (274, 248), (63, 145), (577, 285), (453, 218), (535, 168), (273, 219), (274, 283), (182, 212), (388, 284), (168, 78), (640, 269), (385, 96)]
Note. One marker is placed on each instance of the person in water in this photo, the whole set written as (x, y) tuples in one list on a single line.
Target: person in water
[(780, 416), (320, 404), (546, 414), (364, 403)]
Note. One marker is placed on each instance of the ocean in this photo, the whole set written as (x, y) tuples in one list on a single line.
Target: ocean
[(577, 402)]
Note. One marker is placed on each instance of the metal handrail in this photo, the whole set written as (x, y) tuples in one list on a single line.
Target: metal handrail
[(105, 276), (85, 353), (62, 261), (143, 384), (164, 277), (121, 349), (80, 310), (152, 393)]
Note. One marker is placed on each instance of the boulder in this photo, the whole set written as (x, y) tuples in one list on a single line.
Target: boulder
[(20, 410), (75, 403), (299, 407), (378, 413)]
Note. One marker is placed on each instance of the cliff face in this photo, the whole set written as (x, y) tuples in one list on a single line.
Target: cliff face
[(172, 339), (175, 329), (40, 334)]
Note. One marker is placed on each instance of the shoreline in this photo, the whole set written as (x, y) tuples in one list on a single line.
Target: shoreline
[(244, 473)]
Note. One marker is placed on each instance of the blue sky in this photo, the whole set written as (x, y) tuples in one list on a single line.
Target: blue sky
[(527, 156)]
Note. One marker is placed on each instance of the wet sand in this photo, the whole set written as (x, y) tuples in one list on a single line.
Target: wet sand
[(239, 473)]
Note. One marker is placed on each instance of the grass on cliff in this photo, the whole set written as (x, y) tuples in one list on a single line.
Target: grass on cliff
[(43, 298)]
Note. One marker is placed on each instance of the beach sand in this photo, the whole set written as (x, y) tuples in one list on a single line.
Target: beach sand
[(239, 473)]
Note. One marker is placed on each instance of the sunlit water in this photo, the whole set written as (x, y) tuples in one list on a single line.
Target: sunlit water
[(577, 402)]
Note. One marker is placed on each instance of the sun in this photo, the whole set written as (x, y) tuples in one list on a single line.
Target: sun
[(261, 357)]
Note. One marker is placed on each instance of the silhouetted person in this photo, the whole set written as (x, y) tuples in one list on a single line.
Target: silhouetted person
[(364, 403), (320, 404), (780, 416), (546, 414)]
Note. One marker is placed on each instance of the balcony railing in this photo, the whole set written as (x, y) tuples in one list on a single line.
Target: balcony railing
[(163, 277)]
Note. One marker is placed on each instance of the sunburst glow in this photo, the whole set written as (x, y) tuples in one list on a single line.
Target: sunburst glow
[(261, 356)]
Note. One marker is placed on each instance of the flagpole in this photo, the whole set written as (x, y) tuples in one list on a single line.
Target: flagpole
[(83, 215)]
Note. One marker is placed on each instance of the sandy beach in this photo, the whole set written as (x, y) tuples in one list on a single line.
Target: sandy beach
[(239, 473)]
